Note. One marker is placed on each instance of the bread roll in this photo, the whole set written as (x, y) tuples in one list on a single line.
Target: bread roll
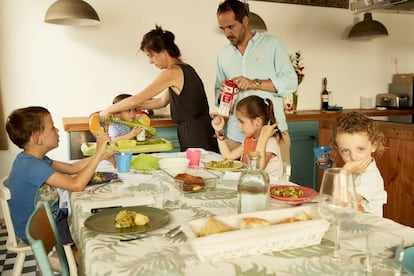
[(247, 223), (214, 226)]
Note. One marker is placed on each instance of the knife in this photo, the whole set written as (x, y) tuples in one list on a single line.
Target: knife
[(96, 210)]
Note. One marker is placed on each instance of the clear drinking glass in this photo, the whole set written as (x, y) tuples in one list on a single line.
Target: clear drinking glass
[(337, 203)]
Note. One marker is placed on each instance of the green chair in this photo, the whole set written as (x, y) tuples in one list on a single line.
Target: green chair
[(13, 244), (43, 236)]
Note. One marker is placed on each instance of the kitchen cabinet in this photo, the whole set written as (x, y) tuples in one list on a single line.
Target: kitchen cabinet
[(169, 133), (304, 138), (396, 167)]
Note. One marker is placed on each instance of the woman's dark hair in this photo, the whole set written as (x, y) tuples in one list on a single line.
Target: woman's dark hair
[(255, 106), (158, 40), (239, 9), (120, 97), (23, 122)]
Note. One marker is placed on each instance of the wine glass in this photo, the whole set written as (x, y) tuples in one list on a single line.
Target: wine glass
[(337, 203)]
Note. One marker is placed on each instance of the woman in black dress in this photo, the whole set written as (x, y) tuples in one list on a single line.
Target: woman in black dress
[(179, 85)]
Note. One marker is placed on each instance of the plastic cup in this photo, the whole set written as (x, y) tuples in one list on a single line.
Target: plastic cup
[(194, 155), (384, 253), (123, 161), (172, 193), (323, 157)]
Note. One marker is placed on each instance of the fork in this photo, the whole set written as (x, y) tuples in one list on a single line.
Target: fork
[(170, 234)]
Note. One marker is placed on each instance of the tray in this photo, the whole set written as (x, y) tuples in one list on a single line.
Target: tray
[(149, 145), (257, 241)]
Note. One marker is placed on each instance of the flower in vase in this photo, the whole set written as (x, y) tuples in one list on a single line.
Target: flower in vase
[(297, 64)]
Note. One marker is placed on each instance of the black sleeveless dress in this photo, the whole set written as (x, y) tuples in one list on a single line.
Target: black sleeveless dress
[(190, 110)]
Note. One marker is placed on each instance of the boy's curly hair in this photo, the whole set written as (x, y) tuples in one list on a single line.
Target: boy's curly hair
[(354, 122)]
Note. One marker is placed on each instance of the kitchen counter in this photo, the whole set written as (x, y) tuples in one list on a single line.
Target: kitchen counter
[(81, 123)]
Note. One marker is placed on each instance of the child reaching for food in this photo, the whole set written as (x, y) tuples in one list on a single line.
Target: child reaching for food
[(118, 131), (258, 123), (358, 139), (34, 176)]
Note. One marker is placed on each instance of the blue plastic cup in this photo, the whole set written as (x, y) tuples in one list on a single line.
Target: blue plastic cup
[(323, 157), (123, 161)]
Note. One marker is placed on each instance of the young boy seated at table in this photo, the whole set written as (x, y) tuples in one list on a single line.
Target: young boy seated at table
[(118, 131), (358, 140), (34, 176)]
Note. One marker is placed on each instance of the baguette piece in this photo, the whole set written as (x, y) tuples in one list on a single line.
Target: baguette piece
[(247, 223), (214, 226)]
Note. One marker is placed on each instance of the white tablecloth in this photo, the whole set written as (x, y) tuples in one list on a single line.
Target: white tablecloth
[(104, 254)]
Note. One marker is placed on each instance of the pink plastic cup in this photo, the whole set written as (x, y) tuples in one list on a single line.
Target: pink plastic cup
[(194, 156)]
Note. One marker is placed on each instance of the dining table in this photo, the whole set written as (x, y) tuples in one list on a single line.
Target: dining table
[(106, 253)]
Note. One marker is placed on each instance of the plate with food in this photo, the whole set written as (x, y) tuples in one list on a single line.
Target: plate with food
[(127, 220), (292, 193), (191, 183), (224, 165), (102, 177)]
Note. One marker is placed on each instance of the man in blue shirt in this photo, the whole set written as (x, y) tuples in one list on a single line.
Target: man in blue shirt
[(258, 64)]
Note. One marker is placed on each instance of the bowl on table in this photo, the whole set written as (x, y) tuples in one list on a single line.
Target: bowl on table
[(126, 143), (174, 165)]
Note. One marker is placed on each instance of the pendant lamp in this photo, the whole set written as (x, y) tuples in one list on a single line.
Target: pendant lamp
[(368, 28), (72, 12), (256, 23)]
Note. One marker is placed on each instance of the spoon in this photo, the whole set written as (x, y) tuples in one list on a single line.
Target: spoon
[(171, 233)]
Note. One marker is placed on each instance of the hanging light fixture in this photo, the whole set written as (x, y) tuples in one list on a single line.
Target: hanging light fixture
[(368, 28), (72, 12), (256, 23)]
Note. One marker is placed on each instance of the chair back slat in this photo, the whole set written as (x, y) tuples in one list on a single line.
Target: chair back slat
[(4, 197), (42, 234)]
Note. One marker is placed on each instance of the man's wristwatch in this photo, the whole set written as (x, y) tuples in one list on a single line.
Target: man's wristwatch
[(257, 83)]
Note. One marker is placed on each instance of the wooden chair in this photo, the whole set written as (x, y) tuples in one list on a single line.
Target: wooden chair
[(43, 236), (13, 244)]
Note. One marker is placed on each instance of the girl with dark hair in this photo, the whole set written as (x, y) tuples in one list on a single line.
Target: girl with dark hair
[(179, 85), (258, 123)]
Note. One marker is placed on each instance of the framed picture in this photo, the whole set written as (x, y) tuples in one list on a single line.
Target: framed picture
[(343, 4)]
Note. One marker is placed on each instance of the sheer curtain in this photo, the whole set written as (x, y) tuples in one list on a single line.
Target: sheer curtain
[(3, 135)]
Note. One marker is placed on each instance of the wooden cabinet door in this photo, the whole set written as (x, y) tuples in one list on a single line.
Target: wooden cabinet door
[(397, 169)]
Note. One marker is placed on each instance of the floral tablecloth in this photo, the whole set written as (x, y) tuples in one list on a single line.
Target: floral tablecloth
[(105, 254)]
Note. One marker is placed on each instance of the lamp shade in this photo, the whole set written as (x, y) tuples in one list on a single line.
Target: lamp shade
[(72, 12), (368, 27), (256, 23)]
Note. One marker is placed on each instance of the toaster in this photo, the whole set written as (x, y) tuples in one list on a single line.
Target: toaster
[(387, 100)]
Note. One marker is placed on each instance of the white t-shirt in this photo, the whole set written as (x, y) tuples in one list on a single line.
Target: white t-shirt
[(275, 165), (370, 185)]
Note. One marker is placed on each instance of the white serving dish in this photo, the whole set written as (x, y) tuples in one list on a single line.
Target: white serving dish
[(174, 165), (256, 241)]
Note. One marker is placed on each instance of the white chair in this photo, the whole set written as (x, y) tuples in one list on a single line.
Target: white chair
[(43, 236), (13, 244)]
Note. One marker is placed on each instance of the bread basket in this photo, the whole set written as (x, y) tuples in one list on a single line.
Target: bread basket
[(256, 241)]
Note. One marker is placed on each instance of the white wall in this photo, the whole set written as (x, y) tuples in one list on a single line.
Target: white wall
[(75, 71)]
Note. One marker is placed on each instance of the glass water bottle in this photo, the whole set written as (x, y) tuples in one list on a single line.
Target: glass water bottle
[(253, 187)]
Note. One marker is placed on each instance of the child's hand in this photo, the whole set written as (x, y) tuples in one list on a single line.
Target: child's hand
[(135, 131), (218, 123), (358, 167), (268, 131), (102, 141)]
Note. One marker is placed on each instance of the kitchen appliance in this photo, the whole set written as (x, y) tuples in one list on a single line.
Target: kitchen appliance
[(389, 100), (404, 92)]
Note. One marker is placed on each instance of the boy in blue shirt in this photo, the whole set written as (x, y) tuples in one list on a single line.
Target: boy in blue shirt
[(34, 176)]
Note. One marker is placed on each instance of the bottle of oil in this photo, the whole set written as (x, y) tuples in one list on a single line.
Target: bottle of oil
[(325, 95), (253, 187)]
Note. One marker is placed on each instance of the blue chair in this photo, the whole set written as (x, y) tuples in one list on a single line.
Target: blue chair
[(13, 244), (43, 236)]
